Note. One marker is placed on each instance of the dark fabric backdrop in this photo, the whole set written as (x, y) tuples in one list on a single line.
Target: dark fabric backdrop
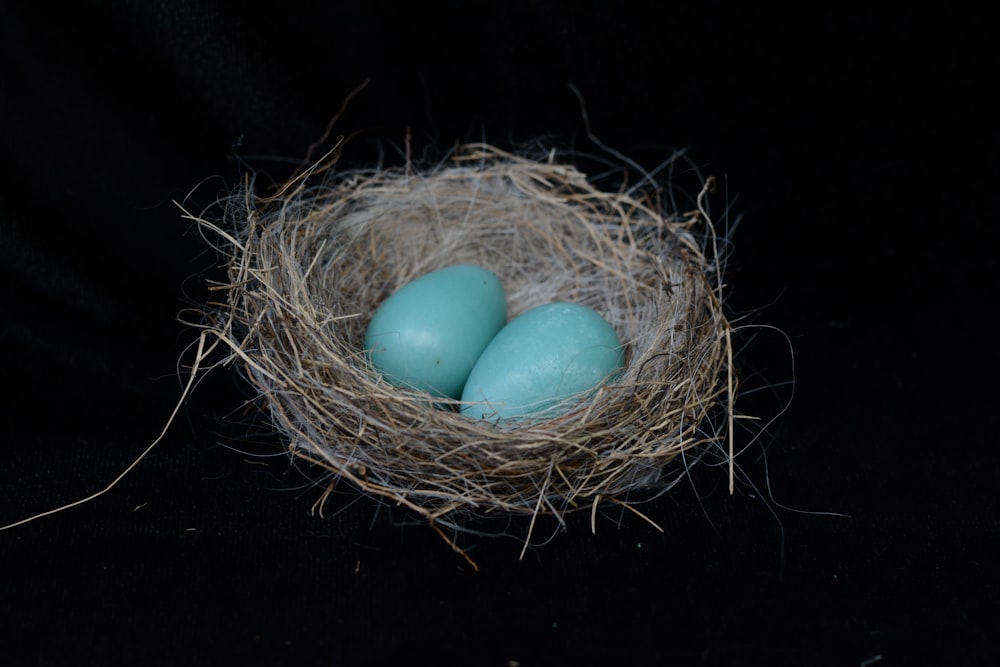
[(858, 147)]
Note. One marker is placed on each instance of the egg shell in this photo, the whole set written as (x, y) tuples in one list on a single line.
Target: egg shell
[(540, 358), (429, 333)]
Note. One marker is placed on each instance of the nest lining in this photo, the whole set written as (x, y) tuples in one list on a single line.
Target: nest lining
[(307, 271)]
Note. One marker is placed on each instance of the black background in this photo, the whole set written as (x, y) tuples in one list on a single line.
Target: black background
[(856, 145)]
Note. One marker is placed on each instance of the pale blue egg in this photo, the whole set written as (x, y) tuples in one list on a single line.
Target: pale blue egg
[(539, 359), (429, 334)]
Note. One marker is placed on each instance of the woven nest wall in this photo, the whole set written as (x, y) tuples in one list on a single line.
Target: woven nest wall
[(308, 268)]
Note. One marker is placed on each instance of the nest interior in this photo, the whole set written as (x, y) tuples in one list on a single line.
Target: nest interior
[(308, 269)]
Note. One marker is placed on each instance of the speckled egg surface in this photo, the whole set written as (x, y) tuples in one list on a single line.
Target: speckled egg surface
[(539, 358), (429, 334)]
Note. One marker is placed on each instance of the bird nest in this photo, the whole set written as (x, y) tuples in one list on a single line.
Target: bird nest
[(307, 269)]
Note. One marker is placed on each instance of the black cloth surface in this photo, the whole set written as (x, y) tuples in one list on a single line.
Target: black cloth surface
[(858, 148)]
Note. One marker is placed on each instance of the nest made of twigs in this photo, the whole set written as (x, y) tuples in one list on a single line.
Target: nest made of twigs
[(309, 267)]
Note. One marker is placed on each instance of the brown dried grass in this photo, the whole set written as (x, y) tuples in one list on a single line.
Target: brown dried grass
[(308, 267)]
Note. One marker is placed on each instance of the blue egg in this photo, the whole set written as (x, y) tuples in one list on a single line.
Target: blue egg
[(429, 334), (539, 359)]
